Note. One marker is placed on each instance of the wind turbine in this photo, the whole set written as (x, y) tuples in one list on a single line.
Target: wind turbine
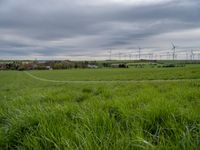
[(139, 52), (199, 55), (130, 56), (119, 54), (160, 57), (150, 56), (192, 55), (174, 50), (186, 55), (110, 54)]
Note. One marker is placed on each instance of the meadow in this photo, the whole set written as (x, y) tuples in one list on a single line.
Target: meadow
[(160, 114)]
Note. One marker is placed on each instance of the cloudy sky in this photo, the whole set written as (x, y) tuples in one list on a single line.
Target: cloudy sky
[(68, 28)]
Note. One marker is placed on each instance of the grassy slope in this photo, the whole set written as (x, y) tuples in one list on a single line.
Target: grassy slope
[(40, 115)]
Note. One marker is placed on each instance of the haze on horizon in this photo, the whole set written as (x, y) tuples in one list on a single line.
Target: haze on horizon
[(50, 29)]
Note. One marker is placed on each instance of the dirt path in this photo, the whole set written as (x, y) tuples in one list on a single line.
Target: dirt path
[(104, 81)]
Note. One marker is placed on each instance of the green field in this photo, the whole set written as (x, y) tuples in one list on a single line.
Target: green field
[(120, 74), (159, 114)]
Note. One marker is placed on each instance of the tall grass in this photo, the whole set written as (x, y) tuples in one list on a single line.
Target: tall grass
[(41, 115)]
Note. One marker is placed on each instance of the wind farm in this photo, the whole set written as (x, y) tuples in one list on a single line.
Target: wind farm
[(99, 75)]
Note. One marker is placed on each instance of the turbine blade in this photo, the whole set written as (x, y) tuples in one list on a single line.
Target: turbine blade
[(173, 45)]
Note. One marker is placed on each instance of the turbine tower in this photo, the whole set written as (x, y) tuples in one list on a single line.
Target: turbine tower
[(150, 56), (130, 56), (110, 54), (139, 52), (192, 55), (119, 54), (174, 50), (186, 55)]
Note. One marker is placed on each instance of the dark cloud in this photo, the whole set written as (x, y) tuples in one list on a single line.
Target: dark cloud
[(51, 27)]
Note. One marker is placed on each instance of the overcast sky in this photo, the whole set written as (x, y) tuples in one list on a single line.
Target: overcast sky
[(59, 28)]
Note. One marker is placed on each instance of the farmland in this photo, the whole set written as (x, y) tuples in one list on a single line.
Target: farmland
[(160, 114)]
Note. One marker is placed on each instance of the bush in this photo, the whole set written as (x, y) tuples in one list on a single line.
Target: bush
[(21, 68), (169, 65)]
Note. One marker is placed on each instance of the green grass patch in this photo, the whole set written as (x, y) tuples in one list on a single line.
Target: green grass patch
[(146, 115)]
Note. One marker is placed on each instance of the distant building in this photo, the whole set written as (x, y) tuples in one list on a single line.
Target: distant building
[(92, 66), (49, 68), (2, 66), (115, 65), (26, 62), (41, 62)]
